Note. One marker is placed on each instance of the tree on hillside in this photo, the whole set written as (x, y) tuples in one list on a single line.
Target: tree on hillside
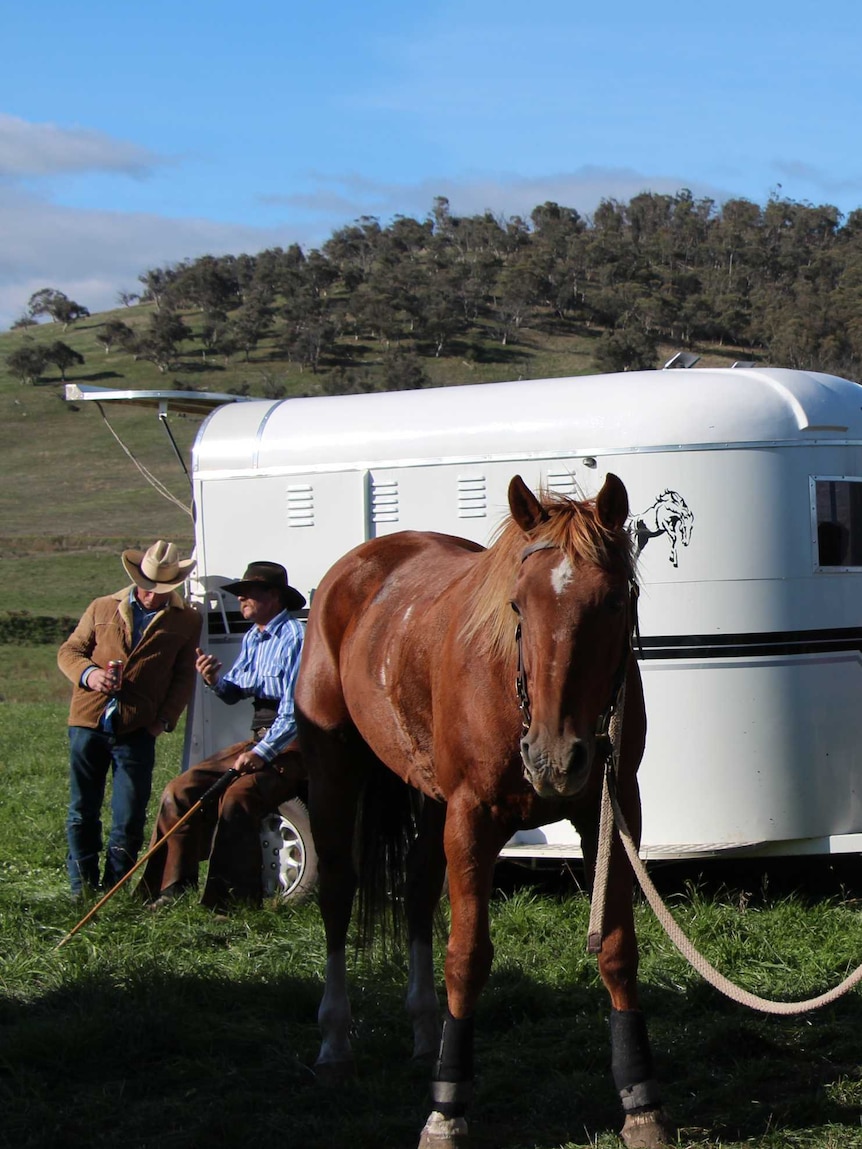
[(63, 356), (157, 282), (27, 362), (209, 284), (127, 298), (115, 332), (351, 250), (57, 305), (23, 321), (626, 349), (248, 325), (160, 343), (215, 336), (308, 340), (403, 371)]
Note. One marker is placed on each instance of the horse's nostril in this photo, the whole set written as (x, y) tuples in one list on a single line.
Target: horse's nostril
[(578, 756)]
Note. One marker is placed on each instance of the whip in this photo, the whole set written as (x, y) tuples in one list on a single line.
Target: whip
[(213, 792)]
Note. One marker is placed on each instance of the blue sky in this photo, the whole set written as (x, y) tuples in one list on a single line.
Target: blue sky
[(135, 135)]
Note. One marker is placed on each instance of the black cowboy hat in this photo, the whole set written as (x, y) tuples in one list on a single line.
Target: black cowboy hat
[(269, 575)]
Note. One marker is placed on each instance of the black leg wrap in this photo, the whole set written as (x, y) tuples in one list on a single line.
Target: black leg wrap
[(452, 1083), (631, 1061)]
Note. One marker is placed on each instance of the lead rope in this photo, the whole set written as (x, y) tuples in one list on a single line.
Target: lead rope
[(695, 959), (606, 832)]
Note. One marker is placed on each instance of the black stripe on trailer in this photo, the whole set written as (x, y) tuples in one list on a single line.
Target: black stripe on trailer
[(780, 642)]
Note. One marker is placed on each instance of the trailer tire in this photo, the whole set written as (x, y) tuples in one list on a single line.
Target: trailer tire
[(289, 856)]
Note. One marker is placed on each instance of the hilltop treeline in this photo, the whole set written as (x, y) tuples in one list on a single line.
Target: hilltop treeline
[(780, 282)]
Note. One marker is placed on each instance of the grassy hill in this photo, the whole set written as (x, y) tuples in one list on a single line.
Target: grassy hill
[(70, 499)]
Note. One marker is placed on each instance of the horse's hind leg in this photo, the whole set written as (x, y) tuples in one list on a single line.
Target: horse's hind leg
[(335, 782), (426, 870)]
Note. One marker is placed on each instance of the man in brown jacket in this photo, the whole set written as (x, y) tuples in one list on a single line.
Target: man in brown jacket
[(114, 723)]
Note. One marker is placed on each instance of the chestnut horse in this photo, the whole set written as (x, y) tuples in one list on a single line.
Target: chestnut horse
[(484, 679)]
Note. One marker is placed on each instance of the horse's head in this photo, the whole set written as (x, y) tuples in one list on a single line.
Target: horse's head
[(572, 595)]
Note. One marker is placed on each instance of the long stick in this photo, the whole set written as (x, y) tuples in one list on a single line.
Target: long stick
[(214, 790)]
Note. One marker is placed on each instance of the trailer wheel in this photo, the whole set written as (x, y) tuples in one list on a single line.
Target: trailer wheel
[(289, 857)]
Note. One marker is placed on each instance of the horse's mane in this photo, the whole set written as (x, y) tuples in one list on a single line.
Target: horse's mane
[(575, 528)]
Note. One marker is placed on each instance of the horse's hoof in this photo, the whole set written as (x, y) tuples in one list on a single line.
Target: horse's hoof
[(648, 1130), (444, 1133), (332, 1073)]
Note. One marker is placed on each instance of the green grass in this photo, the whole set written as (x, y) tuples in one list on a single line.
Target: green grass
[(174, 1029)]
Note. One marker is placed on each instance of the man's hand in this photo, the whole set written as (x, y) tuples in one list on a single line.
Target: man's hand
[(207, 666), (248, 762), (100, 680)]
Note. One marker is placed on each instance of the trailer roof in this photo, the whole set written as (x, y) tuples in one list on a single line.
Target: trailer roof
[(582, 415)]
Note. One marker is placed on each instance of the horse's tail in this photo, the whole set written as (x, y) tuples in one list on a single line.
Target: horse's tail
[(387, 826)]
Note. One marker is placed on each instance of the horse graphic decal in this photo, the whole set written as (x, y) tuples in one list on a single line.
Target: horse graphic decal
[(669, 515)]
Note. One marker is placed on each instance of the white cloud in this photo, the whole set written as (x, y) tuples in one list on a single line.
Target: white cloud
[(28, 150), (91, 255), (814, 178), (503, 194)]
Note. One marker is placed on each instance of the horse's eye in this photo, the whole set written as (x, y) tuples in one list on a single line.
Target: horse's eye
[(514, 607), (614, 601)]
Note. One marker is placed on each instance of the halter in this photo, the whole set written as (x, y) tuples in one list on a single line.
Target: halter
[(604, 719)]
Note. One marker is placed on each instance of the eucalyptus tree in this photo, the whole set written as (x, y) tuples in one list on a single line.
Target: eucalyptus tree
[(27, 362), (161, 339), (115, 333), (57, 305), (208, 284), (157, 282), (249, 324), (63, 357)]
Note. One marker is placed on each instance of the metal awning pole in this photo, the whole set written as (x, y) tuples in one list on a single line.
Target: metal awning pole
[(163, 418)]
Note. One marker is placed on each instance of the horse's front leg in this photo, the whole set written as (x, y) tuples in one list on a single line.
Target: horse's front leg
[(426, 871), (472, 843), (646, 1125)]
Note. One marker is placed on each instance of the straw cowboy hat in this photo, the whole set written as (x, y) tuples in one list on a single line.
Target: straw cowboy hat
[(158, 568), (270, 576)]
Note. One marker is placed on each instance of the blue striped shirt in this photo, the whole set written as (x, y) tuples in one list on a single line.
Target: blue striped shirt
[(267, 666)]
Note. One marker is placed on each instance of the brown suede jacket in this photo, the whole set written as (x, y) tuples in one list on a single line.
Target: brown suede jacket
[(158, 675)]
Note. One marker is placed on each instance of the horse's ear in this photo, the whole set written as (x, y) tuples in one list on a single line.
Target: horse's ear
[(526, 509), (612, 502)]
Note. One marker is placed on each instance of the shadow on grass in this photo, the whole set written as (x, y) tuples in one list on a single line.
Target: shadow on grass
[(751, 881), (163, 1061)]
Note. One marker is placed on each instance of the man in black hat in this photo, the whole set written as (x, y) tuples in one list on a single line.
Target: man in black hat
[(269, 764)]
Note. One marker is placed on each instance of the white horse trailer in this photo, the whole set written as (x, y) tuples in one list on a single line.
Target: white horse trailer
[(745, 488)]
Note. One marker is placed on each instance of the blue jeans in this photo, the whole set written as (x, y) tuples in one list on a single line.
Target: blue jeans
[(130, 757)]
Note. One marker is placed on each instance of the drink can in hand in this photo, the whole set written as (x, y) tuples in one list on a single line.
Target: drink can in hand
[(115, 668)]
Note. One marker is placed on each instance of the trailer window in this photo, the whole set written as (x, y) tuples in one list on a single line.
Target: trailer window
[(838, 511)]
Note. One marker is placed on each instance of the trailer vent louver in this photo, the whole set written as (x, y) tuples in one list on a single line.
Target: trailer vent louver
[(300, 505), (384, 501), (562, 483), (472, 497)]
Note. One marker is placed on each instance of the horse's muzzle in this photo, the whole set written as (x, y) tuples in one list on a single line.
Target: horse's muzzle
[(559, 770)]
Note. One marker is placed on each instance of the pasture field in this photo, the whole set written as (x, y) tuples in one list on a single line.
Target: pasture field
[(178, 1031)]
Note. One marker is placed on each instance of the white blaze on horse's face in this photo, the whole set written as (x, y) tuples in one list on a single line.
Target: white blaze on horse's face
[(562, 575)]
